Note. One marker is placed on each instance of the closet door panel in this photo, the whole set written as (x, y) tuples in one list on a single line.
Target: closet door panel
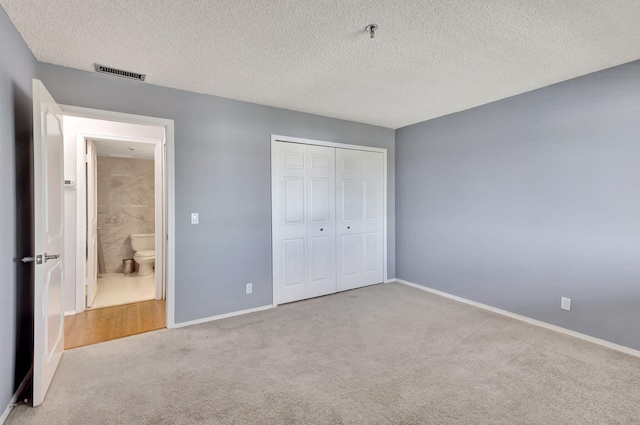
[(293, 200), (359, 195), (304, 221), (290, 221), (350, 196), (373, 218), (294, 262), (321, 261), (321, 229), (349, 255), (371, 248)]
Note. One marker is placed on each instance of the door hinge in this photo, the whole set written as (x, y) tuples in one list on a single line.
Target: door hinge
[(86, 158)]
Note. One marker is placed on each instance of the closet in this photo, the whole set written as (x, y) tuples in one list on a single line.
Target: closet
[(327, 219)]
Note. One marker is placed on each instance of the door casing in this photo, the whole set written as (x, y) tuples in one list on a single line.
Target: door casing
[(91, 278), (166, 215)]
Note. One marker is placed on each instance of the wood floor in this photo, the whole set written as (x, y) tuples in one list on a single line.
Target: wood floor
[(109, 323)]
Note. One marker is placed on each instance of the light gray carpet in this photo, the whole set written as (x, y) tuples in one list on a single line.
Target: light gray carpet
[(387, 354)]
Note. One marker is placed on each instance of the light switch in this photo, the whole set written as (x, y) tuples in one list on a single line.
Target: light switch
[(195, 218), (565, 303)]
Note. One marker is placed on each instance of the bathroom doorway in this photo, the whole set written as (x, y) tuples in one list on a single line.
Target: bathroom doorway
[(116, 226), (121, 243), (119, 191)]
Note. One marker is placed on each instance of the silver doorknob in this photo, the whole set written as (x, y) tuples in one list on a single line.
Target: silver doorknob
[(37, 259)]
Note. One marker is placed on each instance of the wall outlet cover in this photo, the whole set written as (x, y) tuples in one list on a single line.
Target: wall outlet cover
[(565, 303), (249, 288)]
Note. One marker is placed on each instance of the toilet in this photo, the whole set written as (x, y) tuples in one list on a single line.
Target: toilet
[(143, 244)]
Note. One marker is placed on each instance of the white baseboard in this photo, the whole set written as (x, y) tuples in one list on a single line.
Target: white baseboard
[(69, 313), (14, 399), (602, 342), (221, 316)]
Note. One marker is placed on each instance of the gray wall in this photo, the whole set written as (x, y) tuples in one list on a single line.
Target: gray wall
[(519, 202), (223, 172), (17, 68)]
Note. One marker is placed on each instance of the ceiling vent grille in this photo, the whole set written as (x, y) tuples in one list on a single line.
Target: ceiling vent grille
[(120, 73)]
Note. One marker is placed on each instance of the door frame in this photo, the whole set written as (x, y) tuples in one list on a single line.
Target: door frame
[(89, 183), (288, 139), (165, 216)]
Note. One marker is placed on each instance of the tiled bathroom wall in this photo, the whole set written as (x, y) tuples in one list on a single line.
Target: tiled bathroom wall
[(125, 206)]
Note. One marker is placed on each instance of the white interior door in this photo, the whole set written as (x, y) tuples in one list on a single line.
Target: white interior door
[(49, 239), (304, 221), (321, 222), (92, 224), (289, 221), (360, 218)]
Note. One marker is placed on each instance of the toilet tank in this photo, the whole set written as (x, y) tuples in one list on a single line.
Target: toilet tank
[(143, 242)]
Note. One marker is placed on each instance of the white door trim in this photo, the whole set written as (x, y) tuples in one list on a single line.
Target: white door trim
[(91, 204), (278, 138), (167, 219)]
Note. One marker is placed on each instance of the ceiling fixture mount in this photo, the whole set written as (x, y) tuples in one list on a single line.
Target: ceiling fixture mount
[(371, 29)]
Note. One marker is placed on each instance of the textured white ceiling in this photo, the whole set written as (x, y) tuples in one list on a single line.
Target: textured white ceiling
[(113, 147), (429, 58)]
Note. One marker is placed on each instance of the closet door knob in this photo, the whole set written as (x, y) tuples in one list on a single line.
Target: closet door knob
[(348, 227), (321, 229)]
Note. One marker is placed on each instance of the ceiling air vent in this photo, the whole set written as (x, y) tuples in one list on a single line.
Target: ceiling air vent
[(120, 73)]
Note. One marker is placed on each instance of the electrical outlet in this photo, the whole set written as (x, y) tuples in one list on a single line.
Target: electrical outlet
[(565, 303), (195, 218), (249, 288)]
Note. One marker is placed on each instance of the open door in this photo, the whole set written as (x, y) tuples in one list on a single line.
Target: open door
[(92, 223), (49, 239)]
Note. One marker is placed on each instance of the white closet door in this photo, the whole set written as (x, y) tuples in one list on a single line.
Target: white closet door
[(289, 221), (304, 221), (360, 218), (321, 227)]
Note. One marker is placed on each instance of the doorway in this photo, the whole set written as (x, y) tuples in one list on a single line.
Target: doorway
[(121, 247), (117, 224)]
